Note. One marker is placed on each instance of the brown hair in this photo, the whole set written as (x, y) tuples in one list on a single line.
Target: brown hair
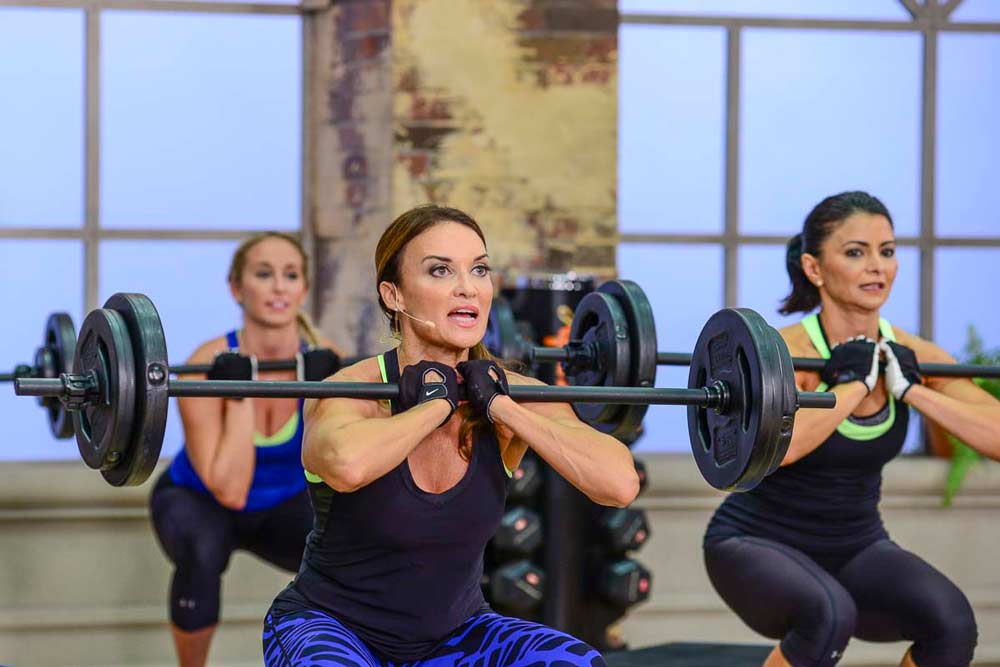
[(388, 256), (239, 263)]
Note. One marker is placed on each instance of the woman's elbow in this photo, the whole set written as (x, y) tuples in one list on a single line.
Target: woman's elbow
[(230, 497), (624, 491), (344, 479), (340, 474)]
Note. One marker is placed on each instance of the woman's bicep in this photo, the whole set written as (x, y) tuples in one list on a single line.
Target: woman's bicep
[(328, 415), (967, 391)]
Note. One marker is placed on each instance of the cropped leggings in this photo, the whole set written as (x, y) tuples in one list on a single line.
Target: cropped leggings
[(199, 535), (881, 593)]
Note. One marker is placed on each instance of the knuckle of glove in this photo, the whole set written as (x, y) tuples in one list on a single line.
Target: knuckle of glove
[(320, 363), (231, 366)]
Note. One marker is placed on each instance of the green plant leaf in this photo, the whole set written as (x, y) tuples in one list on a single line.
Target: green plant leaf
[(964, 457)]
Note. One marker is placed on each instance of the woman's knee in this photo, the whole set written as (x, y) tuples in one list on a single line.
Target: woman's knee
[(821, 630), (193, 545), (949, 638)]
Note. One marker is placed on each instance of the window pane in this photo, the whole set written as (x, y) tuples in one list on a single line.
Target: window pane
[(963, 278), (854, 9), (763, 283), (41, 117), (30, 263), (684, 286), (968, 159), (977, 10), (812, 126), (671, 129), (192, 297), (201, 120)]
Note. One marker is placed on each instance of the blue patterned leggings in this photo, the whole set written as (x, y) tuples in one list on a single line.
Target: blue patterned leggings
[(315, 639)]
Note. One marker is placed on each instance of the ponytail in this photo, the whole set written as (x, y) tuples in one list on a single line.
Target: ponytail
[(804, 296), (307, 328)]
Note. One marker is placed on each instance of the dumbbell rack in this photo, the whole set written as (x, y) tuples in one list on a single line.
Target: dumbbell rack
[(570, 546)]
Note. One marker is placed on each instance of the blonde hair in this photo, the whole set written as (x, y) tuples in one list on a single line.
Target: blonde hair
[(389, 253), (238, 264)]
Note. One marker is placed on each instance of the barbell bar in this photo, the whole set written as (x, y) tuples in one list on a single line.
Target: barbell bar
[(539, 354), (117, 394)]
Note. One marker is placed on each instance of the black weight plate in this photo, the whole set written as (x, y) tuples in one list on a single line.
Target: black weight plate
[(642, 349), (151, 399), (54, 357), (502, 338), (103, 427), (789, 402), (734, 447), (600, 324)]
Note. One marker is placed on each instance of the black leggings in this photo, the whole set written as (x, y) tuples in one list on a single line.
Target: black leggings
[(199, 535), (882, 594)]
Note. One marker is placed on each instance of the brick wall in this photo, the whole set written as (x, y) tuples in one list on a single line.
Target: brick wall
[(506, 109)]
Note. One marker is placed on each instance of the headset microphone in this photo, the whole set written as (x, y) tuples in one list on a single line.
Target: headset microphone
[(416, 319)]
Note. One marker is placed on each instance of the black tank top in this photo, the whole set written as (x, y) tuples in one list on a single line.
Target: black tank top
[(826, 503), (401, 567)]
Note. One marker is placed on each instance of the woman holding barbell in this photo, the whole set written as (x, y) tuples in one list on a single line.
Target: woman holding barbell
[(804, 556), (238, 482), (408, 493)]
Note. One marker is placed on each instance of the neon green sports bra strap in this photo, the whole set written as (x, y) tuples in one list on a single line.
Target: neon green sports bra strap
[(811, 324), (847, 428), (381, 367), (885, 329), (316, 479)]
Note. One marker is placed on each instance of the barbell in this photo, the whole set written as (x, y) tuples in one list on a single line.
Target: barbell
[(508, 344), (743, 403), (615, 323), (53, 358)]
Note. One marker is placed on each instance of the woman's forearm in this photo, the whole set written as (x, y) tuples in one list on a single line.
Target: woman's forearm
[(975, 424), (351, 456), (813, 427), (595, 463), (230, 472)]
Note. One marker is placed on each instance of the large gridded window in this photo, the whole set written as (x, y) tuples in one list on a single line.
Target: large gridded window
[(138, 144), (736, 118)]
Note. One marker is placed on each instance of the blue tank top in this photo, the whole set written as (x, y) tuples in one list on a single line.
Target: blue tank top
[(277, 474), (826, 503), (399, 566)]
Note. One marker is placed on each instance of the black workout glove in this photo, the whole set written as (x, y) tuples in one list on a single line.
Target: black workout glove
[(901, 369), (423, 382), (319, 363), (481, 385), (233, 366), (854, 359)]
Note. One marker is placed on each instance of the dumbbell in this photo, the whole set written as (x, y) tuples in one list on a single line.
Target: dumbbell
[(520, 532), (516, 586), (622, 528), (624, 583), (525, 481)]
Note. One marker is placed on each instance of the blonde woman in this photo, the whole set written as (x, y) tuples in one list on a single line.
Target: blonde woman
[(238, 481)]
